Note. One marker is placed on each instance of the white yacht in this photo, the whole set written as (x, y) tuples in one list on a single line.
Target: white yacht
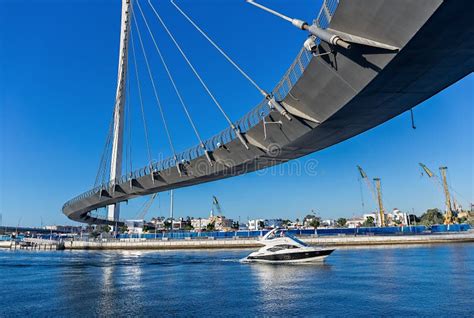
[(281, 247)]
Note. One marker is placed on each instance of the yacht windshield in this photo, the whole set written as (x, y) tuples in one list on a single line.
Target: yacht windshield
[(295, 239), (283, 233)]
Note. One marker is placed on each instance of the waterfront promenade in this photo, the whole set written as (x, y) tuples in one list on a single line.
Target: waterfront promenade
[(159, 244)]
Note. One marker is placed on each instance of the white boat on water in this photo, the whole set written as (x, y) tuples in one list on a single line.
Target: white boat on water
[(281, 247)]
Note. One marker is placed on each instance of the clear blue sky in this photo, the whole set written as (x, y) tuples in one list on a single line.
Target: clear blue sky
[(57, 84)]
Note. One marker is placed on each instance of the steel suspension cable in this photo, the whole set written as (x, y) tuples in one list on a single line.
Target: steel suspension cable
[(107, 153), (154, 88), (140, 98), (172, 80), (108, 158), (234, 128), (262, 91), (268, 96), (102, 163)]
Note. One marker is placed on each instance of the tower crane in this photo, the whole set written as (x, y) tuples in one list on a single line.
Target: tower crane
[(449, 215), (377, 194), (216, 206), (146, 206)]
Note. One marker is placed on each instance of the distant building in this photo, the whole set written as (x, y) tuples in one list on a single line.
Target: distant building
[(135, 226), (260, 224), (308, 221), (243, 227), (295, 225), (273, 223), (354, 222), (64, 228), (328, 223), (256, 224), (375, 216), (158, 223), (397, 217), (200, 223), (221, 223), (463, 214), (179, 224)]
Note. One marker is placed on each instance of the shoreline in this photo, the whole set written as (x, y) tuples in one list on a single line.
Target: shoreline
[(240, 243), (253, 243)]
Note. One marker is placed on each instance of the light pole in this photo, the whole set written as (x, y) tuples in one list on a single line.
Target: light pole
[(200, 226)]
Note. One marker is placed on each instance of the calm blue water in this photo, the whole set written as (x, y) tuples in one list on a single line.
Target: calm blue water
[(425, 281)]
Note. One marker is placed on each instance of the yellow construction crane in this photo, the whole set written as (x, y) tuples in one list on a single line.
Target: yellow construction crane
[(449, 216), (377, 195), (146, 206), (380, 202), (216, 205)]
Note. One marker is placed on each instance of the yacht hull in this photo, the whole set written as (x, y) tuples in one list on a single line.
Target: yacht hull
[(293, 257)]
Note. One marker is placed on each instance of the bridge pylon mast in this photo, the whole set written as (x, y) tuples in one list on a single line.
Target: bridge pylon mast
[(113, 211)]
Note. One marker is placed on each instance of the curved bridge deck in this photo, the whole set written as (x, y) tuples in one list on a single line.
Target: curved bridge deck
[(336, 96)]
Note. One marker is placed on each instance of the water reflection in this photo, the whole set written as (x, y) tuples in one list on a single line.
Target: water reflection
[(385, 281), (282, 285)]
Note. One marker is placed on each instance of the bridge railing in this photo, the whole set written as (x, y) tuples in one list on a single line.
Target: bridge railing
[(249, 120), (326, 13), (293, 74)]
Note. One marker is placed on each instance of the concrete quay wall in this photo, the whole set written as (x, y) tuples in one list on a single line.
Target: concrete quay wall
[(253, 243), (389, 240)]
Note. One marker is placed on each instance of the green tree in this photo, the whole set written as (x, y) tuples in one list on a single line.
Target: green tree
[(211, 226), (432, 216), (105, 229), (413, 219), (369, 222), (123, 228), (341, 222), (187, 225), (314, 223)]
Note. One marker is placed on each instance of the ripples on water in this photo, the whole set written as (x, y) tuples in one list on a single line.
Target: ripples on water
[(433, 280)]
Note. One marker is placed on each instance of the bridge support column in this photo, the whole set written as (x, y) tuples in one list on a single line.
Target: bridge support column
[(113, 211)]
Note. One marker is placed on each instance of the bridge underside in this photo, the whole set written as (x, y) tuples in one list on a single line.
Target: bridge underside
[(338, 95)]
